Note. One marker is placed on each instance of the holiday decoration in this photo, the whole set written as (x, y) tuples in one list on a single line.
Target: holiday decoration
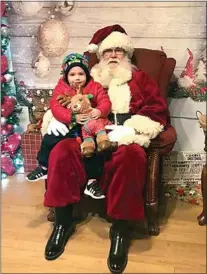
[(41, 66), (53, 38), (7, 106), (7, 165), (191, 84), (27, 8), (12, 144), (65, 7), (6, 129), (10, 139), (187, 76)]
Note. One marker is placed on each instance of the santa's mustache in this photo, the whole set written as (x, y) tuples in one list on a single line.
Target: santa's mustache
[(113, 61)]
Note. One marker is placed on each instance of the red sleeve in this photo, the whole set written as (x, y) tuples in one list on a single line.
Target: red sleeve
[(102, 100), (154, 105), (61, 113)]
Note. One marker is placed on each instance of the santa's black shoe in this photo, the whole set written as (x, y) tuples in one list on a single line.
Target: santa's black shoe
[(118, 254), (37, 174), (57, 241), (93, 190)]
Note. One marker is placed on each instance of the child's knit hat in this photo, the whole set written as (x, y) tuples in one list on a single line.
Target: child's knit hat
[(74, 60)]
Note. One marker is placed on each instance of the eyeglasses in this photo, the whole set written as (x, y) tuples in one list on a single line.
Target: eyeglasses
[(117, 51)]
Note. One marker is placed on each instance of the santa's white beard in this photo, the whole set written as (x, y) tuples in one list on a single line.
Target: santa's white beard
[(108, 71)]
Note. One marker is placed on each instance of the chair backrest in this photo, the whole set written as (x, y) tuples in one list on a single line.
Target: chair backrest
[(154, 62)]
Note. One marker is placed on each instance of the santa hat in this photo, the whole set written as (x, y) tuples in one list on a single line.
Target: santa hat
[(110, 37), (188, 71)]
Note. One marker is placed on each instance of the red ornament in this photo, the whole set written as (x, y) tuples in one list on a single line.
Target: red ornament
[(2, 8), (12, 144), (6, 129), (7, 165), (21, 83), (4, 64), (8, 106), (203, 90)]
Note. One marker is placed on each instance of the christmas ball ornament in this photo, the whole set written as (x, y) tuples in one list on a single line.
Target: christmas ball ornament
[(18, 162), (7, 106), (3, 176), (6, 129), (4, 43), (3, 121), (41, 66), (6, 78), (4, 31), (4, 64), (53, 38), (28, 8), (7, 165), (65, 7), (12, 144)]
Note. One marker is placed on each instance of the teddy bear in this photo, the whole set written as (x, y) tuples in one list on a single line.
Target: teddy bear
[(93, 128), (35, 126)]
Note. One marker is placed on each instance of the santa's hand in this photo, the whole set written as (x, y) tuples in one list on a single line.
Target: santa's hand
[(95, 113), (55, 127)]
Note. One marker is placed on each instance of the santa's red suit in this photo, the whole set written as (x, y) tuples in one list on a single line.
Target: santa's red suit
[(124, 174)]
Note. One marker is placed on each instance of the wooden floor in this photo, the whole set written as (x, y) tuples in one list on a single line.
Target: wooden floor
[(180, 247)]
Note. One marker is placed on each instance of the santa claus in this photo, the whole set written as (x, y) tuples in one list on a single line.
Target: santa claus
[(138, 106)]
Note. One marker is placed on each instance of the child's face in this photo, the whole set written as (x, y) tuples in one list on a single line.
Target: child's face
[(77, 76)]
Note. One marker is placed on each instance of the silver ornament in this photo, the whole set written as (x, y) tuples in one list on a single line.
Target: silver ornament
[(65, 7), (41, 66), (27, 8), (3, 121)]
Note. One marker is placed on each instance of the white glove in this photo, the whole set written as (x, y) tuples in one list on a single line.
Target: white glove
[(57, 128)]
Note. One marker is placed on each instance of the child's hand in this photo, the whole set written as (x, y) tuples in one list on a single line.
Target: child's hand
[(95, 113), (82, 118), (64, 99)]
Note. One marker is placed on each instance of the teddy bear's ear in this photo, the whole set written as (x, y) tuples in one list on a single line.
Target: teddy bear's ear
[(90, 96)]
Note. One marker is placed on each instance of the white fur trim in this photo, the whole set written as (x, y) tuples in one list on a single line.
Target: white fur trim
[(144, 125), (120, 97), (48, 116), (92, 48), (185, 82), (117, 39), (126, 135), (95, 73)]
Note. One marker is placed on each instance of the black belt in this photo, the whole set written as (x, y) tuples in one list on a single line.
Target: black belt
[(120, 118)]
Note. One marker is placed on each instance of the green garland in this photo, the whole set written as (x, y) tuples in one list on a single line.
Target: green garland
[(197, 93)]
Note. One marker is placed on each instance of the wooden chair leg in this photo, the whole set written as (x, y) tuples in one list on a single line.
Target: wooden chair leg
[(151, 191), (202, 218)]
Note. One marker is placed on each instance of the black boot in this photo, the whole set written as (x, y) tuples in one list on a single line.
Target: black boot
[(63, 229), (120, 241)]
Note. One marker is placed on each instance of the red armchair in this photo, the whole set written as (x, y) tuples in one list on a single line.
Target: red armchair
[(161, 68)]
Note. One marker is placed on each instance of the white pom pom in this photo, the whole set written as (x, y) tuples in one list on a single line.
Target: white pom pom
[(8, 77), (92, 48), (41, 67)]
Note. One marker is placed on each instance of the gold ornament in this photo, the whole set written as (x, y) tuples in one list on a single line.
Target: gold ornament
[(53, 38)]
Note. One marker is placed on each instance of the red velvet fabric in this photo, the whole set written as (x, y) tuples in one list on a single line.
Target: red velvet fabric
[(122, 183), (100, 100)]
